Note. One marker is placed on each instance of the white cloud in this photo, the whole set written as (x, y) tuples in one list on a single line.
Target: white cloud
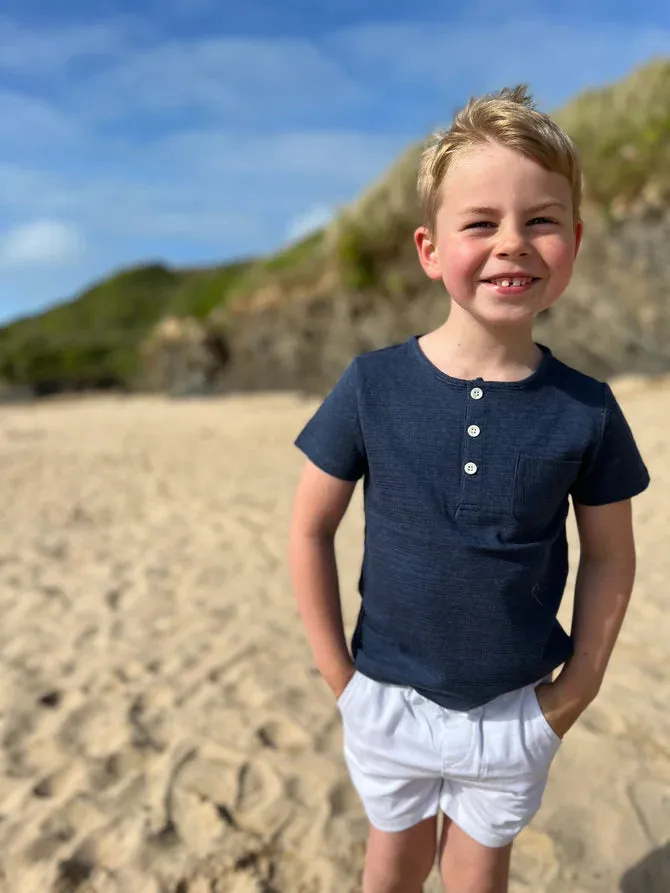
[(250, 78), (44, 242), (212, 188), (44, 51), (27, 191), (309, 222), (283, 160), (30, 122)]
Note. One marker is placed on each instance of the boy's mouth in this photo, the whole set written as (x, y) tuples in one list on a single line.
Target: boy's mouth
[(511, 281)]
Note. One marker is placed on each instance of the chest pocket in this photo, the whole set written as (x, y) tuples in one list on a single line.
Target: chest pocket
[(540, 488)]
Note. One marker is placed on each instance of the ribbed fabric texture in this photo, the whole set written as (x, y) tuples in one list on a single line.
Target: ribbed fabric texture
[(466, 492)]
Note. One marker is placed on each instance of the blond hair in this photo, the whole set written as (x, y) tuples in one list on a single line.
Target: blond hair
[(509, 118)]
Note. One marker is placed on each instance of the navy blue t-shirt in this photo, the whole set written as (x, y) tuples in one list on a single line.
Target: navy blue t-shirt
[(466, 493)]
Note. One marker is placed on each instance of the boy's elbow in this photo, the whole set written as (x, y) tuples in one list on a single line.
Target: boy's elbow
[(312, 529), (622, 565), (310, 521)]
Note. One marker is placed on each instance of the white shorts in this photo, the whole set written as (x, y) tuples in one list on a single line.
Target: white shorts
[(408, 758)]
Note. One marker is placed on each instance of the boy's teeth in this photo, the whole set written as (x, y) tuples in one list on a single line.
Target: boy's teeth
[(505, 283)]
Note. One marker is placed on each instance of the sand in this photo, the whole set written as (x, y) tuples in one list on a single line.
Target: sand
[(162, 728)]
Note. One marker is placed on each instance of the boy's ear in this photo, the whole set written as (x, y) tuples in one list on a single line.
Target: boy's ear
[(579, 232), (427, 252)]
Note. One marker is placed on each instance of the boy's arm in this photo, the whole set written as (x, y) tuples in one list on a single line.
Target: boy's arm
[(603, 587), (320, 503)]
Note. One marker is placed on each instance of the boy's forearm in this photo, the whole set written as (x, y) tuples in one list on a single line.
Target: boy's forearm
[(602, 594), (316, 588)]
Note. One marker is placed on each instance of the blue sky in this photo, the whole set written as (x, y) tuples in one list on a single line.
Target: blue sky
[(183, 131)]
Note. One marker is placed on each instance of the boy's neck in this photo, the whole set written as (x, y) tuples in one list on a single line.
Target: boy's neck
[(462, 348)]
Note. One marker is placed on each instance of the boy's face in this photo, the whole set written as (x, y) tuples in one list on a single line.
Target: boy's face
[(505, 240)]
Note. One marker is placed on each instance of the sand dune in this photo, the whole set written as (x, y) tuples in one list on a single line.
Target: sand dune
[(162, 729)]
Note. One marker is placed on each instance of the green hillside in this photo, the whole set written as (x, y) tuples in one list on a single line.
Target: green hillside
[(623, 132), (93, 341)]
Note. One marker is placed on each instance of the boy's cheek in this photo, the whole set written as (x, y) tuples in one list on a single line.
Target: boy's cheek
[(560, 255), (460, 263)]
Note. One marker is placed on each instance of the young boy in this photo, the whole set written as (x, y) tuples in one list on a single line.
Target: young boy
[(470, 439)]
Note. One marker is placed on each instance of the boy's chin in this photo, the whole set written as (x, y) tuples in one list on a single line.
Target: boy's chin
[(506, 316)]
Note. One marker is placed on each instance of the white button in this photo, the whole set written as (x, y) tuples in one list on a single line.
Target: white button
[(474, 431), (470, 468), (476, 393)]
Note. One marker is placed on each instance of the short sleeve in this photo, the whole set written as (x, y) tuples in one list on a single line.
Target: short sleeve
[(616, 471), (332, 438)]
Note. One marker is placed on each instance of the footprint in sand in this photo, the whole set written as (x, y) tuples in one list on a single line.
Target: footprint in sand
[(602, 720), (85, 871), (534, 859), (105, 772), (241, 794), (92, 731), (61, 826), (651, 800), (282, 734), (58, 783), (215, 779), (72, 874), (342, 799)]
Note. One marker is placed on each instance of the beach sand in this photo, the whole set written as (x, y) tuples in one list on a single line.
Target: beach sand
[(162, 727)]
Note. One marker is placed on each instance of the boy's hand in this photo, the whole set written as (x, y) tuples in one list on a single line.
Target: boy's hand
[(560, 709), (339, 679)]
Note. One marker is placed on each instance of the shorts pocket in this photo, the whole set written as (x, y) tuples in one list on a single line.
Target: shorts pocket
[(542, 719), (541, 487), (348, 691), (518, 742)]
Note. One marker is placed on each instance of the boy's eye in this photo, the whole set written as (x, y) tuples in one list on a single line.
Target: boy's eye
[(487, 224)]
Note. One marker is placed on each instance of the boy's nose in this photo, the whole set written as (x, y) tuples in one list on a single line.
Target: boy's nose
[(511, 244)]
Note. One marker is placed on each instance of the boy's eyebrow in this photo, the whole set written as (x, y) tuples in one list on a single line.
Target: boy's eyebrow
[(543, 206)]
